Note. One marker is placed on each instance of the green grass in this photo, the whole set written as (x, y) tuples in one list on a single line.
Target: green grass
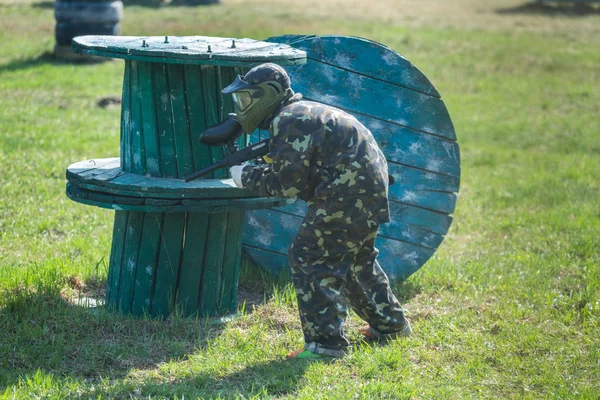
[(508, 307)]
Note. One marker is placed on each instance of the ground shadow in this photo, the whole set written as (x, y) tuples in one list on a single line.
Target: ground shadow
[(43, 331), (541, 8), (43, 4), (145, 3), (271, 379), (45, 58)]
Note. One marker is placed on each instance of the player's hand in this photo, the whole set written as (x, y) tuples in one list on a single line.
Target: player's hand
[(236, 174)]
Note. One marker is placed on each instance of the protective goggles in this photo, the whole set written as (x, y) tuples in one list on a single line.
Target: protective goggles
[(243, 93), (242, 100)]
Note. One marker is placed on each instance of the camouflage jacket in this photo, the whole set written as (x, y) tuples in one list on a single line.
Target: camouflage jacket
[(323, 155)]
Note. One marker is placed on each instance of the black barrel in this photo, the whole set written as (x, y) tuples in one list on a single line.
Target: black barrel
[(194, 2), (81, 17)]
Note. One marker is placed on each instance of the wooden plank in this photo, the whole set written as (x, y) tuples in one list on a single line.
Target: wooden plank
[(221, 61), (400, 259), (197, 48), (131, 251), (100, 176), (273, 263), (413, 148), (190, 275), (404, 232), (79, 194), (260, 231), (350, 92), (210, 96), (226, 205), (75, 170), (162, 96), (357, 55), (181, 131), (190, 50), (437, 222), (147, 263), (162, 202), (126, 119), (225, 76), (115, 202), (231, 263), (116, 257), (138, 157), (81, 167), (196, 114), (205, 207), (289, 39), (200, 188), (224, 104), (150, 140), (422, 189), (410, 178), (210, 288), (429, 200), (169, 256)]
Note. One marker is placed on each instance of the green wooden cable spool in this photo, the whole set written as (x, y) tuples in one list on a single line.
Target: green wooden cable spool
[(411, 124), (174, 244)]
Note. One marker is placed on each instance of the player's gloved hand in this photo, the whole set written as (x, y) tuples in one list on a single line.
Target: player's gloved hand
[(236, 174)]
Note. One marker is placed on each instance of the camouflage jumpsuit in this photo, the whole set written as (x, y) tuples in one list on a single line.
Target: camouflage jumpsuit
[(327, 158)]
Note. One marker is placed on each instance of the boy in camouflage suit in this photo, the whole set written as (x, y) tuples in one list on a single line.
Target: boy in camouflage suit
[(327, 158)]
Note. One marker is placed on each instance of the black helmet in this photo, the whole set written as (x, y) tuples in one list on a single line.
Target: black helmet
[(268, 72), (258, 93)]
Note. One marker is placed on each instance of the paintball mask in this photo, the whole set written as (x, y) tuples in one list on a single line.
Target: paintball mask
[(258, 94)]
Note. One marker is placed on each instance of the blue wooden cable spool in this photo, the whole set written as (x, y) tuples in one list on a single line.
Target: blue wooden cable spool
[(411, 124)]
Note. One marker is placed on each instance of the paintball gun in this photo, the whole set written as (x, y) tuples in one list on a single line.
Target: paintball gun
[(225, 133)]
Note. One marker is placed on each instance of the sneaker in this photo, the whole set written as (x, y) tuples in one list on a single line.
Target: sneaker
[(371, 334), (304, 355)]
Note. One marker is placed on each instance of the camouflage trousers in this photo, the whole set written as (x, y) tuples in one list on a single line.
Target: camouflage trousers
[(333, 263)]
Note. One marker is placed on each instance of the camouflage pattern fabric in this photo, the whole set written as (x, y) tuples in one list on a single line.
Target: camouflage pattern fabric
[(327, 158), (320, 152)]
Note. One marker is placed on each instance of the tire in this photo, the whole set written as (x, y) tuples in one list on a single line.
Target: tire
[(66, 31), (81, 17), (88, 12)]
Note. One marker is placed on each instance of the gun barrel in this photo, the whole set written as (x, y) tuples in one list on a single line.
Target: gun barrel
[(236, 158), (203, 171)]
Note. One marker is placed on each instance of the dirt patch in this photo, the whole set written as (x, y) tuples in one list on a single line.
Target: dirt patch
[(250, 296), (109, 102)]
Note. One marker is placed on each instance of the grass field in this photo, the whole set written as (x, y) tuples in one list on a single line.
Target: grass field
[(509, 306)]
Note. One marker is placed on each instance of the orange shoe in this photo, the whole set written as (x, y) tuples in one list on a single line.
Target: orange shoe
[(368, 333)]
